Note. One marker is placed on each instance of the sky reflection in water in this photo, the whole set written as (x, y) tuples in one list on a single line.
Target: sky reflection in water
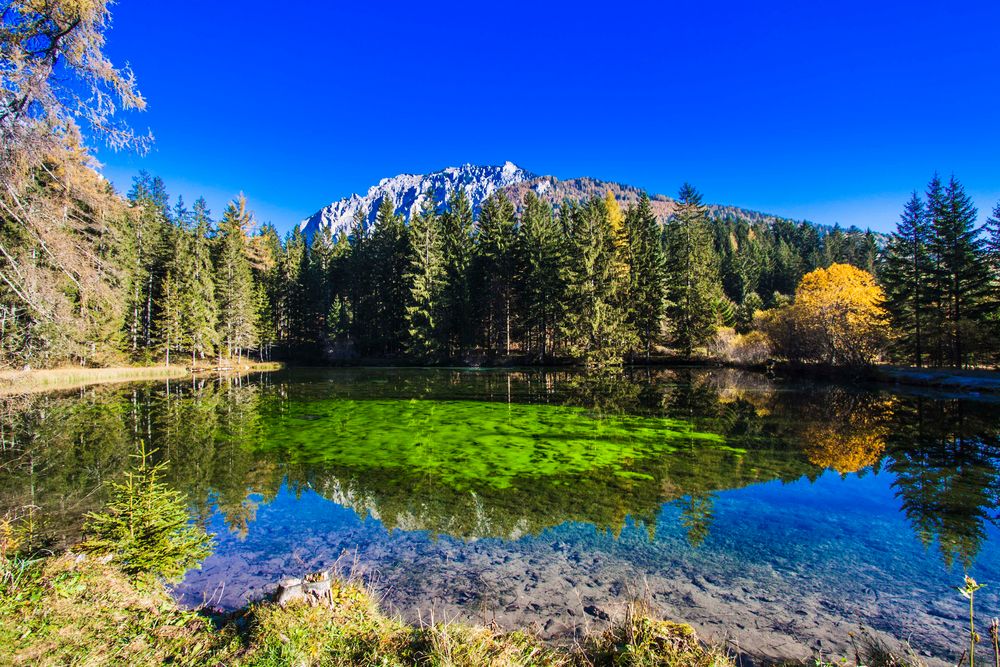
[(777, 513)]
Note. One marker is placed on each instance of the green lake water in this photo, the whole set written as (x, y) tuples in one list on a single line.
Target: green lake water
[(778, 514)]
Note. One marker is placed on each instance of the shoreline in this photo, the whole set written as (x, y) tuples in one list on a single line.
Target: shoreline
[(963, 382), (83, 609), (31, 381)]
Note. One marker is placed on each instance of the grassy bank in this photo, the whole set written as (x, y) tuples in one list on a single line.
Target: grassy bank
[(84, 611), (53, 379)]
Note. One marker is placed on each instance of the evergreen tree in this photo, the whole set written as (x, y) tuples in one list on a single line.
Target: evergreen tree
[(597, 321), (426, 277), (457, 251), (495, 265), (316, 287), (960, 271), (149, 201), (361, 293), (693, 286), (991, 234), (195, 285), (388, 260), (291, 307), (170, 319), (543, 274), (906, 272), (235, 290), (991, 242), (647, 276)]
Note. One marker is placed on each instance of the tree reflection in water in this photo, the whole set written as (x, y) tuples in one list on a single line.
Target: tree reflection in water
[(502, 454)]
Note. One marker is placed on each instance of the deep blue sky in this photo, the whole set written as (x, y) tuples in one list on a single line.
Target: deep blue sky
[(831, 111)]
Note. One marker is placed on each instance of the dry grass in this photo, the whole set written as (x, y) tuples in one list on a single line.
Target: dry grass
[(55, 379), (30, 381), (71, 611)]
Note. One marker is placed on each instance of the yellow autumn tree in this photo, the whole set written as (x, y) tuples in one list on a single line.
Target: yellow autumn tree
[(847, 431), (619, 236), (837, 318)]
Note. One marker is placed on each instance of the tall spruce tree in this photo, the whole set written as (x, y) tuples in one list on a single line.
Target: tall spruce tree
[(961, 274), (543, 274), (170, 319), (693, 285), (457, 250), (388, 259), (426, 277), (647, 274), (196, 286), (316, 286), (597, 322), (149, 200), (906, 273), (362, 282), (496, 263), (235, 290), (991, 233)]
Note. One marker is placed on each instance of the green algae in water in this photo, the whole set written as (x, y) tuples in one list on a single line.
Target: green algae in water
[(467, 444)]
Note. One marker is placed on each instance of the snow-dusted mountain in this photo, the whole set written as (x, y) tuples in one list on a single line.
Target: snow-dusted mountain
[(407, 193)]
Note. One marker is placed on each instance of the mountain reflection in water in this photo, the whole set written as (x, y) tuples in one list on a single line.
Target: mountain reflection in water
[(541, 484)]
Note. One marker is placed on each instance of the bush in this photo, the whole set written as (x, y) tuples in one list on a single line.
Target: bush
[(749, 349), (837, 318), (146, 528)]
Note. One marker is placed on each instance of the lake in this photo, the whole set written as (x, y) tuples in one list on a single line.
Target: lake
[(776, 515)]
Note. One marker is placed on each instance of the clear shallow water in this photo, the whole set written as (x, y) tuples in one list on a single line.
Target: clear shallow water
[(779, 515)]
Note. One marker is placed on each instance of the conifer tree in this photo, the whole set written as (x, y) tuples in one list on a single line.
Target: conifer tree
[(496, 263), (991, 233), (235, 291), (426, 278), (196, 286), (543, 274), (693, 286), (457, 251), (961, 275), (647, 273), (389, 259), (316, 288), (597, 326), (991, 242), (149, 200), (170, 318), (291, 302), (361, 293), (906, 273)]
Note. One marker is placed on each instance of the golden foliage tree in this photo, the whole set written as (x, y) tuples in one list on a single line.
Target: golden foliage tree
[(837, 318)]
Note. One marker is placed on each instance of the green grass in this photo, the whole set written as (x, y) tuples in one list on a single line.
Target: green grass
[(69, 610)]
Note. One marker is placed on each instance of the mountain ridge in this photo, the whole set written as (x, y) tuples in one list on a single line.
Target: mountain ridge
[(408, 192)]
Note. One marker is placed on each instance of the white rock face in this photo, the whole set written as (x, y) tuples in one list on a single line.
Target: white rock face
[(408, 191)]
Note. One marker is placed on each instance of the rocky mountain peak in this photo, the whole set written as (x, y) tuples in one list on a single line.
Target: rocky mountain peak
[(408, 191)]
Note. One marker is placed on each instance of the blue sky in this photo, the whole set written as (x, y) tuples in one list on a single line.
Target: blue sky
[(831, 111)]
